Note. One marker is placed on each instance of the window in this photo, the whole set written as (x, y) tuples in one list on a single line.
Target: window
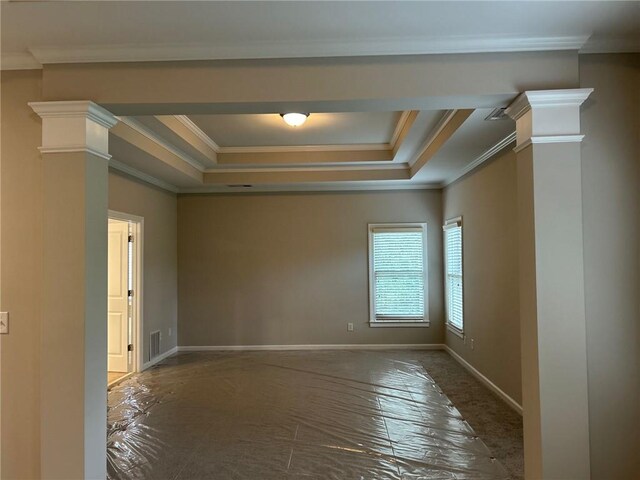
[(453, 275), (398, 275)]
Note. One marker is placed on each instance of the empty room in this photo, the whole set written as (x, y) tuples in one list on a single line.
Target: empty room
[(320, 240)]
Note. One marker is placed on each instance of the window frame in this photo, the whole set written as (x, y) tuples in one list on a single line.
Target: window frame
[(452, 222), (400, 321)]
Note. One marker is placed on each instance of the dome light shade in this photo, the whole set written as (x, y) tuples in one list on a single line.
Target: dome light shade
[(294, 119)]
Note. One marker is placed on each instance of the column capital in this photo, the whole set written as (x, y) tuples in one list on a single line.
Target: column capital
[(548, 116), (74, 126)]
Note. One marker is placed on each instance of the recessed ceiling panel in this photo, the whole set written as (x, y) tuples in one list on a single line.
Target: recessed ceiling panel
[(475, 137), (257, 130)]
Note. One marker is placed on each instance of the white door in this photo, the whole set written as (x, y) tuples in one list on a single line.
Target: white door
[(118, 327)]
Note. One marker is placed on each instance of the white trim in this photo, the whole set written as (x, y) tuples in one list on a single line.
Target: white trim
[(546, 98), (364, 186), (355, 346), (119, 380), (455, 330), (398, 324), (488, 383), (160, 357), (549, 139), (18, 61), (154, 137), (75, 149), (444, 121), (611, 45), (449, 223), (497, 148), (314, 167), (197, 131), (308, 148), (402, 121), (75, 109), (303, 49), (423, 322), (138, 289), (123, 167)]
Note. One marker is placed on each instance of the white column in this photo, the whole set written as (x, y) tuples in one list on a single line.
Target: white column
[(552, 309), (74, 324)]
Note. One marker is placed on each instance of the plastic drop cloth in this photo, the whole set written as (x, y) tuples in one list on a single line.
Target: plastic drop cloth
[(291, 415)]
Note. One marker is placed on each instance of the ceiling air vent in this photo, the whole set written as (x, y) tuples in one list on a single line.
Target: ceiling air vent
[(497, 114)]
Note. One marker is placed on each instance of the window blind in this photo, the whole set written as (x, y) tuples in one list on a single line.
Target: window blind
[(453, 260), (398, 269)]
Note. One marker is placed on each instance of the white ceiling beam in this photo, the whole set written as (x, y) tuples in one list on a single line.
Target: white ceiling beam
[(188, 131)]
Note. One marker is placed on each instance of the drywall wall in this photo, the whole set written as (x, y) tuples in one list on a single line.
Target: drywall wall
[(21, 272), (158, 207), (487, 202), (611, 212), (292, 269)]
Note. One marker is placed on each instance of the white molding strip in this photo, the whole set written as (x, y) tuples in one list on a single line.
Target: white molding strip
[(549, 139), (488, 383), (498, 147), (312, 167), (154, 137), (399, 126), (302, 49), (307, 148), (197, 131), (159, 358), (545, 99), (75, 149), (366, 186), (444, 121), (123, 167), (249, 348), (19, 61)]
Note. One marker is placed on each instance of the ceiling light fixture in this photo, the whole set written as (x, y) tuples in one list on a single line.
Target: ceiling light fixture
[(294, 119)]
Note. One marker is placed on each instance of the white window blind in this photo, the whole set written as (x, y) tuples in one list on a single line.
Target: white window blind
[(398, 270), (453, 265)]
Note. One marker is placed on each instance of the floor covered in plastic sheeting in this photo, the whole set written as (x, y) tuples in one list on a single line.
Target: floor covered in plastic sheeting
[(291, 415)]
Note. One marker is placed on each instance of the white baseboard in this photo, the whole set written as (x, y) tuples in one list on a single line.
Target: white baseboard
[(242, 348), (159, 358), (488, 383)]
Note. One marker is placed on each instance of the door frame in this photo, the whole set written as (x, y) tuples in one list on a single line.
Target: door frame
[(137, 224)]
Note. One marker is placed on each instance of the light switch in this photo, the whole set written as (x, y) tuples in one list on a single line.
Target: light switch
[(349, 327), (4, 322)]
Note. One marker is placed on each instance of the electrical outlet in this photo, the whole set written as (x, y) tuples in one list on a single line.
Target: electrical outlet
[(349, 327), (4, 322), (472, 346)]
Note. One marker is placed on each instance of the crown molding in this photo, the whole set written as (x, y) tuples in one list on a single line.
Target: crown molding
[(197, 131), (571, 97), (307, 148), (333, 167), (149, 134), (303, 49), (444, 121), (19, 61), (75, 109), (491, 152), (380, 185), (611, 45), (134, 172)]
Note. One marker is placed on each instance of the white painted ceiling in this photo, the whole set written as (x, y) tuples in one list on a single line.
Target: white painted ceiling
[(320, 129), (103, 30)]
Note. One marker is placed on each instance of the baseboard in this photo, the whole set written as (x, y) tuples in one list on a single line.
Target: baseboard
[(242, 348), (488, 383), (159, 358)]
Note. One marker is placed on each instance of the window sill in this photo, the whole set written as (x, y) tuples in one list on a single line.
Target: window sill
[(456, 331), (391, 324)]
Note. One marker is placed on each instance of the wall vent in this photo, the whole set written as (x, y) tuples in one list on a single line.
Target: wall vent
[(154, 345), (497, 114)]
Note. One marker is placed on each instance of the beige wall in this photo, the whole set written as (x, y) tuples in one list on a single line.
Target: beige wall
[(21, 269), (261, 269), (487, 201), (611, 212), (158, 207)]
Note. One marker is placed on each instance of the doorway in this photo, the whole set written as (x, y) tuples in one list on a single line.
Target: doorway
[(124, 319)]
